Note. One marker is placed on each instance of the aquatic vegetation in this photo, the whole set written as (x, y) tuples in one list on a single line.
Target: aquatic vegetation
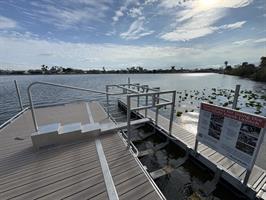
[(178, 113), (255, 101), (225, 104)]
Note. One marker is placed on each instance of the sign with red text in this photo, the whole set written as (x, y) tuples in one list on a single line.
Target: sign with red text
[(235, 134)]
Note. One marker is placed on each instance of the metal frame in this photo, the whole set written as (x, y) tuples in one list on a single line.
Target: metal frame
[(155, 104), (19, 96), (107, 93), (56, 85)]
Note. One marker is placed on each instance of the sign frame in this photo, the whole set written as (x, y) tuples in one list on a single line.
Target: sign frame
[(243, 118)]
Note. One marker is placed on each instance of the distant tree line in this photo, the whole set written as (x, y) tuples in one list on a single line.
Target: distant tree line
[(44, 69), (257, 73)]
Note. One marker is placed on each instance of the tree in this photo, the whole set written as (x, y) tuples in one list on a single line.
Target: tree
[(263, 61), (225, 63), (44, 69)]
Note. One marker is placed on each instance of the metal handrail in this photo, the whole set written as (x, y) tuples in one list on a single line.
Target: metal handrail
[(56, 85), (12, 118), (155, 103)]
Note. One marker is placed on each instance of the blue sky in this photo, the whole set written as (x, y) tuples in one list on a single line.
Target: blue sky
[(117, 34)]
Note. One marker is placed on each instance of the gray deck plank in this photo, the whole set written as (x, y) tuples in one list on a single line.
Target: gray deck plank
[(129, 184), (88, 192), (138, 192)]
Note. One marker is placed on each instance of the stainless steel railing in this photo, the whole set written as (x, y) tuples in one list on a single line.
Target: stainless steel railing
[(107, 93), (58, 85), (155, 104), (126, 89)]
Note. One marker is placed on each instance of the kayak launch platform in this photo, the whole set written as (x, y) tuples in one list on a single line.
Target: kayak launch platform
[(79, 151)]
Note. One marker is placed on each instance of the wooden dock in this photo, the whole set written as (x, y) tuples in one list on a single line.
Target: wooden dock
[(100, 167), (232, 172)]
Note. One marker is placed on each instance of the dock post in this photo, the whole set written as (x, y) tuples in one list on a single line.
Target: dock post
[(19, 96), (128, 122), (32, 110), (107, 99), (157, 109), (236, 96), (146, 102), (138, 92), (196, 145), (172, 112), (128, 82)]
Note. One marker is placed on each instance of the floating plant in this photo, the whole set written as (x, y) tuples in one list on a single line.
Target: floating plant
[(178, 113)]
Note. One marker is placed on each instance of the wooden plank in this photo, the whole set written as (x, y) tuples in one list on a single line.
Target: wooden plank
[(88, 192), (226, 163), (9, 193), (127, 175), (260, 182), (236, 169), (151, 196), (216, 157), (123, 168), (102, 196), (255, 174), (46, 166), (47, 173), (129, 184), (63, 188), (15, 167), (138, 192)]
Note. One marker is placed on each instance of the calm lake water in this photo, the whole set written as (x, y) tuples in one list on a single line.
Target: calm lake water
[(191, 88)]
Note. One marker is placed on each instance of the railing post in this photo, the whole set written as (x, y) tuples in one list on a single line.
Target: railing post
[(172, 112), (128, 82), (157, 109), (146, 103), (18, 93), (107, 99), (196, 145), (128, 122), (236, 96), (138, 96), (32, 110)]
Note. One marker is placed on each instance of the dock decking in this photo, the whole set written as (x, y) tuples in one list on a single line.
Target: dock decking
[(77, 170), (234, 172)]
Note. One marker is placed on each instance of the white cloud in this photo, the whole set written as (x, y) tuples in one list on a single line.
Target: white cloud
[(6, 23), (205, 4), (232, 26), (242, 42), (135, 12), (70, 13), (136, 30), (24, 52), (261, 40), (249, 41), (147, 2), (119, 13), (198, 18)]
